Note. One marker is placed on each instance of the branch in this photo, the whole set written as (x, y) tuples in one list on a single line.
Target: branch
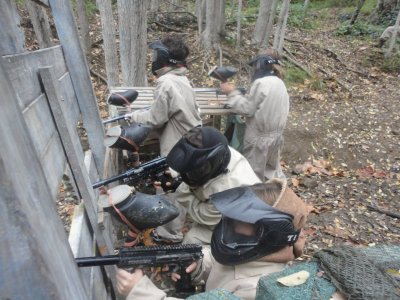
[(95, 74), (167, 27), (382, 211)]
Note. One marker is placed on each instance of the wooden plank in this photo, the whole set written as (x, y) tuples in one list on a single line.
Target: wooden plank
[(81, 81), (209, 103), (22, 70), (11, 36), (83, 245), (69, 97), (28, 217), (74, 154)]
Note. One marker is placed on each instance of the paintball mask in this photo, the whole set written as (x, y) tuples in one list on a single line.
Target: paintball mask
[(262, 66), (201, 154), (141, 210), (161, 57), (250, 228), (127, 138)]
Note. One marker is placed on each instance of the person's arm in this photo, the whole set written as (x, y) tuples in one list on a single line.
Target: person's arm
[(244, 105), (158, 113)]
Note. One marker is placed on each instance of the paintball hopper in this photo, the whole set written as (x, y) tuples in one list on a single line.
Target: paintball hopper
[(222, 73), (142, 210), (127, 138), (123, 98)]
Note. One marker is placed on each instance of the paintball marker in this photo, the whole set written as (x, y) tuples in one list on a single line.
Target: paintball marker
[(177, 256), (154, 169), (123, 98), (223, 74)]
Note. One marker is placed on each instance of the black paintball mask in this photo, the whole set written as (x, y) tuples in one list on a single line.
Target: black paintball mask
[(250, 228), (262, 66), (200, 155), (162, 58)]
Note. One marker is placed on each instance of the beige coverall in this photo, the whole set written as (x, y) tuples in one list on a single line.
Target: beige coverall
[(195, 202), (174, 111), (266, 109), (242, 279)]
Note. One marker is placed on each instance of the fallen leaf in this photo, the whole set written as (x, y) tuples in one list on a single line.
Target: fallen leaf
[(294, 279)]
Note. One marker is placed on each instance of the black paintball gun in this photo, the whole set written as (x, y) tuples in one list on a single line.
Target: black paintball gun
[(223, 73), (153, 169), (123, 98), (176, 257)]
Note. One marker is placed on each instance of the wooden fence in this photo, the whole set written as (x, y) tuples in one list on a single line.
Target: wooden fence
[(44, 95)]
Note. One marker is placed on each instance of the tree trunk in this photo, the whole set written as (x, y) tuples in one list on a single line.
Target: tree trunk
[(262, 22), (40, 23), (281, 27), (221, 18), (306, 3), (11, 35), (133, 41), (239, 17), (271, 19), (154, 5), (382, 7), (357, 12), (83, 26), (210, 37), (393, 38), (201, 14), (110, 47)]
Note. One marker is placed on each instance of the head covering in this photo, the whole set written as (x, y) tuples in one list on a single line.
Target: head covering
[(262, 66), (163, 58), (250, 228), (201, 154)]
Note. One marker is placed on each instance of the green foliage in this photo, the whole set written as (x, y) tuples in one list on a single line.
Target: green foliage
[(91, 7), (321, 4), (359, 28), (294, 75), (301, 19), (391, 64)]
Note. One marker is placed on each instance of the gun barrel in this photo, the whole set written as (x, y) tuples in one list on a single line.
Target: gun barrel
[(143, 169), (97, 261), (113, 119)]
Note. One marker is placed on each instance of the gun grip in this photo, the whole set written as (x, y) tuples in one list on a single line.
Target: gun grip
[(184, 285)]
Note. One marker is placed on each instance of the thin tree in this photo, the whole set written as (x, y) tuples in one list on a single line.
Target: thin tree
[(110, 47), (271, 19), (281, 26), (238, 28), (357, 12), (201, 14), (40, 22), (262, 22), (210, 36), (393, 38), (133, 41)]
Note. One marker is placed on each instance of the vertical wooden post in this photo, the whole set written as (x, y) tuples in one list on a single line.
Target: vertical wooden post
[(35, 258), (11, 36), (75, 161), (78, 68)]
